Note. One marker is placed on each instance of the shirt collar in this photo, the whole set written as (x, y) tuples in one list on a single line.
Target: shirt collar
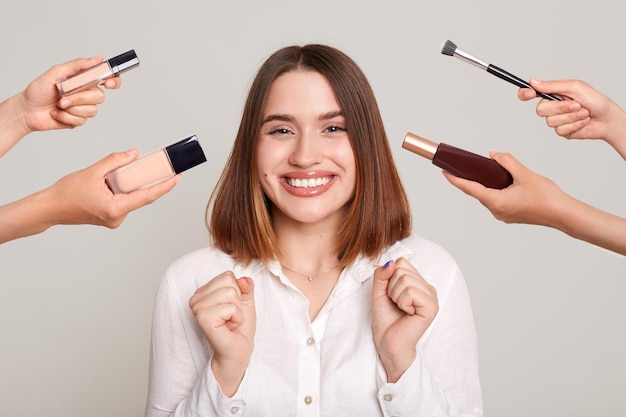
[(361, 270)]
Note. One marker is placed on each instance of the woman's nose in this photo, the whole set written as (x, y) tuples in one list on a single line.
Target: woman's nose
[(307, 150)]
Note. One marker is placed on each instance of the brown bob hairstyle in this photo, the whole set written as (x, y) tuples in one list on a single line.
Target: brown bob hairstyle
[(379, 215)]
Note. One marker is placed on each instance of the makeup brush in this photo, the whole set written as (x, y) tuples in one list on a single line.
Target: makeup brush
[(449, 48)]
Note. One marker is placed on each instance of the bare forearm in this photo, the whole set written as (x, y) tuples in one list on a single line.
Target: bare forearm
[(585, 222), (617, 135), (29, 216), (11, 125)]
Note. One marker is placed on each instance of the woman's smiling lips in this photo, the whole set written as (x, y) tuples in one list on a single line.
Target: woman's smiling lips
[(307, 184)]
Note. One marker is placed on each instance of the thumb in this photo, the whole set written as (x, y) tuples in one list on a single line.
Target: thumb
[(508, 162), (381, 279), (246, 286), (75, 66), (559, 87), (116, 160)]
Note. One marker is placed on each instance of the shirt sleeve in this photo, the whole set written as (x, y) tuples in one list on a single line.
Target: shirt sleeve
[(443, 380), (181, 381)]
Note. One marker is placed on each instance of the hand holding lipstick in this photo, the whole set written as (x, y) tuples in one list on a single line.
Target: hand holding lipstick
[(40, 108), (403, 306), (588, 114), (224, 309)]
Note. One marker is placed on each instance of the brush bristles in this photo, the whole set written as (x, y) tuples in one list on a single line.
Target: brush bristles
[(449, 48)]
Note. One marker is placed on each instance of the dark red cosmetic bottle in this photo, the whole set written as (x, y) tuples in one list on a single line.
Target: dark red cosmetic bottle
[(460, 162)]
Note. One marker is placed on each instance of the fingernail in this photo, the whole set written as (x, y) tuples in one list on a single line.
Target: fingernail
[(65, 103), (387, 264)]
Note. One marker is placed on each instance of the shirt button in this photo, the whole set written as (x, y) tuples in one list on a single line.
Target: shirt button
[(234, 410), (388, 397), (310, 341), (308, 400)]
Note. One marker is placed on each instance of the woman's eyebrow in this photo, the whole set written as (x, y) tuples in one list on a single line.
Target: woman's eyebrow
[(331, 115), (278, 117), (288, 118)]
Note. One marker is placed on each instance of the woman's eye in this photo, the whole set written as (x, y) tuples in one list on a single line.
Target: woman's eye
[(333, 129), (279, 131)]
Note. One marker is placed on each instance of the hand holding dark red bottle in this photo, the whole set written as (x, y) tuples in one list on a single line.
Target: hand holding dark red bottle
[(460, 162)]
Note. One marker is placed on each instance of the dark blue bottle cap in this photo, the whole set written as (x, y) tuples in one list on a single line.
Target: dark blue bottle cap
[(124, 62), (185, 154)]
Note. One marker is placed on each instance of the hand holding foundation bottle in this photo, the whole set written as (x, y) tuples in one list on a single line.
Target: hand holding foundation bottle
[(81, 197), (40, 107), (586, 114), (535, 199)]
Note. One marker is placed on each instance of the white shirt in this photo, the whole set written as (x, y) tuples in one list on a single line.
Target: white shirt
[(329, 367)]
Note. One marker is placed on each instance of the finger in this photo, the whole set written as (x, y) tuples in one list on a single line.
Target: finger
[(563, 88), (78, 114), (68, 69), (246, 286), (115, 160), (145, 196), (112, 83), (508, 162), (218, 307), (218, 315), (61, 117), (90, 97), (547, 108), (403, 291), (381, 279), (67, 119), (226, 278), (569, 129), (228, 294), (409, 290), (566, 118), (77, 65), (526, 94), (471, 188)]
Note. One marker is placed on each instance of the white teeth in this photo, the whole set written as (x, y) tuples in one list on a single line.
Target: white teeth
[(308, 183)]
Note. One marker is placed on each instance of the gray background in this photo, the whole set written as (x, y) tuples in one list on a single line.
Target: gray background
[(76, 301)]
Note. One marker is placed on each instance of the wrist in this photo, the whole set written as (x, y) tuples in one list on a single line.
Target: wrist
[(616, 135), (13, 126), (50, 209), (397, 365), (228, 374)]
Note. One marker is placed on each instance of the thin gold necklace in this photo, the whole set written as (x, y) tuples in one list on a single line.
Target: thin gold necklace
[(311, 277)]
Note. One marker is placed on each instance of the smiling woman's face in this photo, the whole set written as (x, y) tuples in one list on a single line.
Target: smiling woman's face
[(305, 159)]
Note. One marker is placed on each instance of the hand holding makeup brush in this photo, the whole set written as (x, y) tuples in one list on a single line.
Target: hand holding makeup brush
[(588, 114)]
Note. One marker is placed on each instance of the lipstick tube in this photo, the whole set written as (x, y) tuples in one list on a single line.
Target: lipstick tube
[(156, 166), (98, 73), (460, 162)]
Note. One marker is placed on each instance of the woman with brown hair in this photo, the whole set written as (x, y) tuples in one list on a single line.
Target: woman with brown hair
[(314, 297)]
